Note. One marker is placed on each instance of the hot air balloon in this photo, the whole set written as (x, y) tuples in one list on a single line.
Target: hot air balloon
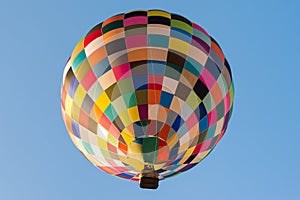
[(146, 95)]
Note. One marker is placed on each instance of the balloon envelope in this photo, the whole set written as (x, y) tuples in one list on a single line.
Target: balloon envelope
[(146, 88)]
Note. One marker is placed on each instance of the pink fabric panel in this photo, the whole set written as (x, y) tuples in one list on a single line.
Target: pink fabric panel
[(207, 78), (135, 20), (88, 80), (227, 102), (212, 117), (122, 71), (114, 131), (136, 41), (191, 121), (205, 145)]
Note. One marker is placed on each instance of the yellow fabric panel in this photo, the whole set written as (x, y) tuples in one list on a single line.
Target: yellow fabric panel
[(135, 148), (68, 105), (124, 116), (101, 143), (193, 100), (75, 112), (82, 70), (159, 13), (187, 155), (103, 101), (127, 136), (231, 92), (172, 141), (179, 45), (112, 140), (79, 95), (95, 113), (134, 114), (201, 156), (137, 164), (135, 156)]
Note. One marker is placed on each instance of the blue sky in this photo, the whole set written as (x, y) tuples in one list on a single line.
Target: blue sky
[(258, 158)]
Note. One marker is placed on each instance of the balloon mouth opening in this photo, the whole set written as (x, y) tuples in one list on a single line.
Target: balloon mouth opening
[(143, 123), (152, 149)]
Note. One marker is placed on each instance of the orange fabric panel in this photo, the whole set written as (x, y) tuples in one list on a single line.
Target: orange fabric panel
[(97, 56), (217, 49)]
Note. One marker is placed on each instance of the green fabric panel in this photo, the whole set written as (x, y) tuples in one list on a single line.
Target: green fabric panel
[(210, 132), (113, 92), (177, 68), (136, 26), (209, 102), (172, 73), (150, 144), (111, 113), (193, 66), (202, 136), (78, 60), (141, 97), (125, 85), (144, 122), (105, 153), (182, 25), (112, 26), (88, 147), (136, 30), (223, 85), (231, 94), (220, 109), (149, 149), (230, 112), (129, 99)]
